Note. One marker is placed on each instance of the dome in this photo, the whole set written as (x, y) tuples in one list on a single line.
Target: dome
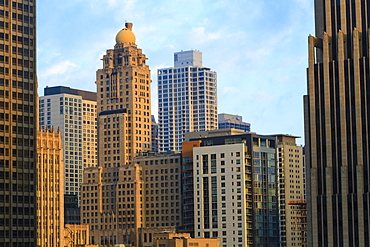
[(126, 35)]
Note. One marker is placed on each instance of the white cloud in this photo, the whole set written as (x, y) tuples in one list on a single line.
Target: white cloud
[(58, 69)]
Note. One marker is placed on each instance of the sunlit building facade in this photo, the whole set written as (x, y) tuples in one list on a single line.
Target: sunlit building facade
[(50, 196), (18, 118)]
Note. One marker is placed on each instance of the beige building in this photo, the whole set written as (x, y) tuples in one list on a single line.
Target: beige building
[(183, 240), (291, 191), (231, 188), (145, 197), (126, 192), (76, 235), (123, 89), (50, 210)]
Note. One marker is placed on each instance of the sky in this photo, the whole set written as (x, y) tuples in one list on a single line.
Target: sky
[(258, 48)]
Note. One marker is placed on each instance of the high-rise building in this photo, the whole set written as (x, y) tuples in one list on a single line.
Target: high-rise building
[(227, 121), (128, 191), (18, 116), (233, 180), (124, 117), (145, 196), (50, 173), (187, 99), (291, 190), (74, 112), (337, 122)]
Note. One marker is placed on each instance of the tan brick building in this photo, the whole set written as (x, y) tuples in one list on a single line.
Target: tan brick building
[(117, 202), (50, 210)]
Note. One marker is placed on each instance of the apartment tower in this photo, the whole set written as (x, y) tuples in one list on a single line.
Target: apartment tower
[(18, 95), (187, 99), (337, 119), (291, 179), (230, 187), (73, 111)]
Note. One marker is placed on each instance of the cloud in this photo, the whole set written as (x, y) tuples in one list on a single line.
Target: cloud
[(60, 68)]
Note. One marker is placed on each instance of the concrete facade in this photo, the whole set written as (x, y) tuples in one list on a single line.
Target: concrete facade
[(187, 100), (234, 187), (291, 175), (74, 112), (337, 125)]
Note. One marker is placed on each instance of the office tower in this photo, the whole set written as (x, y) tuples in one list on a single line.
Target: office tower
[(141, 197), (235, 187), (336, 125), (187, 99), (74, 112), (50, 173), (123, 86), (18, 95), (227, 121), (155, 140), (293, 219), (124, 193)]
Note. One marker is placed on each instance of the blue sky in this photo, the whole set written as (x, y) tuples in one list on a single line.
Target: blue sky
[(258, 48)]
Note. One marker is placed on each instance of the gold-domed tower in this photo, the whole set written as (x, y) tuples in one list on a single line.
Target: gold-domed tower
[(126, 35), (124, 132)]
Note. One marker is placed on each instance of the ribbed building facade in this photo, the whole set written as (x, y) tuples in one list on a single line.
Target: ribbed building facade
[(50, 173), (337, 119), (18, 95)]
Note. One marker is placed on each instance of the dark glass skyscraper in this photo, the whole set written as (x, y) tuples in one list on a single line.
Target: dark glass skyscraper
[(18, 91), (337, 125)]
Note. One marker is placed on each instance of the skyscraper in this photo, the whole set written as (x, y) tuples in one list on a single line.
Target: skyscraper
[(115, 199), (187, 99), (337, 119), (74, 112), (18, 93), (50, 173)]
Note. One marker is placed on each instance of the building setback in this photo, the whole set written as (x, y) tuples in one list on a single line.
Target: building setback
[(135, 200), (74, 112), (233, 179), (127, 193), (187, 99), (337, 125), (18, 116)]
